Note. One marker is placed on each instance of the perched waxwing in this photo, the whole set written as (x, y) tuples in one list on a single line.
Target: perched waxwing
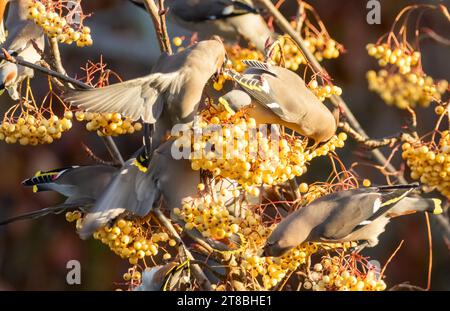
[(280, 96), (23, 38), (169, 95), (229, 19), (344, 216), (136, 190), (82, 185)]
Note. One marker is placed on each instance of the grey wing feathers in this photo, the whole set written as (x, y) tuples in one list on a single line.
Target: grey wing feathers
[(390, 196), (260, 66), (140, 98), (357, 208), (349, 212), (118, 195), (259, 90), (131, 190)]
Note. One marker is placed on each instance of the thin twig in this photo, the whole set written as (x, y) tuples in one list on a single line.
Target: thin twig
[(197, 271), (390, 258), (46, 71), (107, 140)]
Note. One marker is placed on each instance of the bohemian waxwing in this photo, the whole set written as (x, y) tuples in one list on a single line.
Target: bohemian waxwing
[(280, 96), (229, 19), (22, 32), (82, 185), (352, 215), (169, 95), (136, 190)]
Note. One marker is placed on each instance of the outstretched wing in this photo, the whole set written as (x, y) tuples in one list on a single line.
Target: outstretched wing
[(141, 98)]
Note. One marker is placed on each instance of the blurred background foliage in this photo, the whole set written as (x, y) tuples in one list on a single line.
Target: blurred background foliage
[(33, 254)]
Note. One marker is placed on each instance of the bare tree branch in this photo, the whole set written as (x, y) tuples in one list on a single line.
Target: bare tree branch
[(197, 271)]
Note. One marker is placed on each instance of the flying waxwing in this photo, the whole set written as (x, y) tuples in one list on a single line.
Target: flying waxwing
[(169, 95), (229, 19), (352, 215), (82, 185), (22, 32), (279, 96), (136, 190)]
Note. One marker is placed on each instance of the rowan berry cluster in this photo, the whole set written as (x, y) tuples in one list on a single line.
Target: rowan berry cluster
[(49, 16)]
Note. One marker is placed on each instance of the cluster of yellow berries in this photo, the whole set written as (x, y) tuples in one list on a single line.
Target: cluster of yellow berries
[(130, 240), (35, 130), (333, 274), (325, 91), (430, 164), (210, 217), (403, 58), (56, 26), (274, 269), (323, 47), (287, 53), (245, 153), (108, 124), (76, 217), (132, 275), (236, 54), (404, 91)]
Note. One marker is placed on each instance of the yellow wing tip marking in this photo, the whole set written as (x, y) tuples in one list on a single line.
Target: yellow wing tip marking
[(142, 168), (437, 207), (226, 105), (394, 200)]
